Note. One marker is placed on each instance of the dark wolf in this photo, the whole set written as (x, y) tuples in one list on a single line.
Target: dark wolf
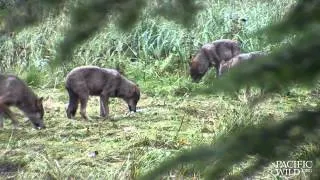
[(212, 54), (15, 92), (86, 81)]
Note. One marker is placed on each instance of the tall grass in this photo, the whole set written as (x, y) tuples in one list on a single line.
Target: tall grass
[(154, 47)]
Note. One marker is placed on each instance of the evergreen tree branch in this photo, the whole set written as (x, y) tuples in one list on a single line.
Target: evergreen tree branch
[(270, 142)]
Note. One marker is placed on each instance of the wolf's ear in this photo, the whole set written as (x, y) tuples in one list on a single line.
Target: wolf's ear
[(194, 64), (133, 90), (39, 101), (120, 69)]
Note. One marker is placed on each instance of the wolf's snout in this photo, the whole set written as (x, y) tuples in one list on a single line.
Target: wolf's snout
[(39, 126), (131, 108), (196, 80), (43, 127)]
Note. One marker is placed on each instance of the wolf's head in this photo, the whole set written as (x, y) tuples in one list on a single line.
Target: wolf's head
[(35, 113), (132, 98), (198, 67)]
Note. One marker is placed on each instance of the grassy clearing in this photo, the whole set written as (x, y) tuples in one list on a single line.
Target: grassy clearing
[(131, 144), (173, 116)]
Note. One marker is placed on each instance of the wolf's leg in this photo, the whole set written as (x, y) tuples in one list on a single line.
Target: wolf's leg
[(218, 70), (1, 115), (73, 104), (4, 110), (83, 107), (72, 108), (1, 120), (110, 90), (104, 106), (221, 67), (12, 117), (75, 108)]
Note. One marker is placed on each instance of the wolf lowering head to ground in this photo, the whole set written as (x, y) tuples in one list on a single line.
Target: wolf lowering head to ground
[(15, 92), (95, 81), (212, 54)]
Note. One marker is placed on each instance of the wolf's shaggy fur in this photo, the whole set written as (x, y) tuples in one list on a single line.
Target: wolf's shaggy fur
[(95, 81), (15, 92), (212, 54)]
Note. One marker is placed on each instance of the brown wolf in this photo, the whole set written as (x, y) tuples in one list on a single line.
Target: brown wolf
[(14, 92), (227, 65), (92, 80), (211, 54)]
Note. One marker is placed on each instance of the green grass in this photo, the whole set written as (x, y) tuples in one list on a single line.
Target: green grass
[(128, 145), (173, 117)]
